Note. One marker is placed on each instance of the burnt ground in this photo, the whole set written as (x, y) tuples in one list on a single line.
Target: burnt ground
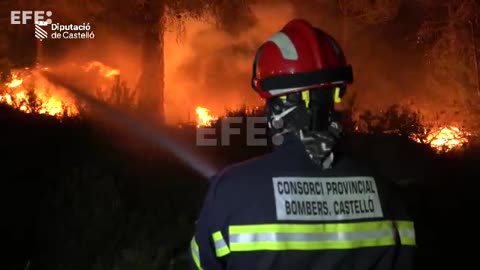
[(82, 195)]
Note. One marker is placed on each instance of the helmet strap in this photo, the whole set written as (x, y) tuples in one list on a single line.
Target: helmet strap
[(321, 107)]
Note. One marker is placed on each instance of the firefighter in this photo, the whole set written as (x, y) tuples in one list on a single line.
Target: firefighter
[(302, 206)]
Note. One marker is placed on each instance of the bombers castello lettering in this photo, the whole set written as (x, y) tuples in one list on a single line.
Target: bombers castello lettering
[(306, 208)]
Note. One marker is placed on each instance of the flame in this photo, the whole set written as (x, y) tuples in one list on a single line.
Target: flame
[(15, 82), (42, 104), (36, 101), (39, 100), (103, 69), (204, 118), (446, 138)]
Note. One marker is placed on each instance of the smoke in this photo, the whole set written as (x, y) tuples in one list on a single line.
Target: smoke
[(211, 67)]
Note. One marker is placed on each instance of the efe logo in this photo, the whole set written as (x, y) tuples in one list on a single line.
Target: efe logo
[(24, 16)]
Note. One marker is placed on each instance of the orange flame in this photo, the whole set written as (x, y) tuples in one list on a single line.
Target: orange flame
[(446, 138), (204, 118), (43, 104), (39, 100), (36, 101), (14, 82)]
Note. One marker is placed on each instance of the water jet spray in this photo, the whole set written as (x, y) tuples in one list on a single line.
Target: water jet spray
[(155, 136)]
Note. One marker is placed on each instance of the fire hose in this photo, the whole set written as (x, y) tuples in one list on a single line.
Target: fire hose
[(144, 131)]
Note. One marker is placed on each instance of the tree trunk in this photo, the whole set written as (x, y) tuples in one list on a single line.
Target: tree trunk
[(151, 82), (473, 26)]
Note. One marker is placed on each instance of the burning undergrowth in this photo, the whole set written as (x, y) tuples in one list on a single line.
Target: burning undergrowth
[(446, 138), (396, 120), (404, 121), (28, 91)]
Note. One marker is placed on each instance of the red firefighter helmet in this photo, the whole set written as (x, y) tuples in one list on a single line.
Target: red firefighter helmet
[(297, 58)]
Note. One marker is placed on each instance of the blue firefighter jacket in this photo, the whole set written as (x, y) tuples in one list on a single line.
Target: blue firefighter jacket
[(280, 211)]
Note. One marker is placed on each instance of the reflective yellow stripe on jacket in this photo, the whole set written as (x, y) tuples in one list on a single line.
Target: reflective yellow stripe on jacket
[(195, 253), (318, 236), (406, 231), (309, 237), (221, 247)]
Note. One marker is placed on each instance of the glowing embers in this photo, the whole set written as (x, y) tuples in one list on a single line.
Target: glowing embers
[(446, 138)]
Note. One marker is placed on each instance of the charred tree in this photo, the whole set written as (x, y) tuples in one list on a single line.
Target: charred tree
[(151, 81)]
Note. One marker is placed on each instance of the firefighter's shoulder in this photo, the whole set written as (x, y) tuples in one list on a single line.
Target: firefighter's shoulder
[(254, 176), (252, 167)]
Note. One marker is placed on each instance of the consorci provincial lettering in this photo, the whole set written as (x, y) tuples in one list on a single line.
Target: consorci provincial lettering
[(334, 188), (326, 198)]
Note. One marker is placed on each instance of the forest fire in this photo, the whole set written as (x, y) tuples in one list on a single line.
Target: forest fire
[(20, 94), (204, 118), (37, 100), (446, 138), (30, 93)]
